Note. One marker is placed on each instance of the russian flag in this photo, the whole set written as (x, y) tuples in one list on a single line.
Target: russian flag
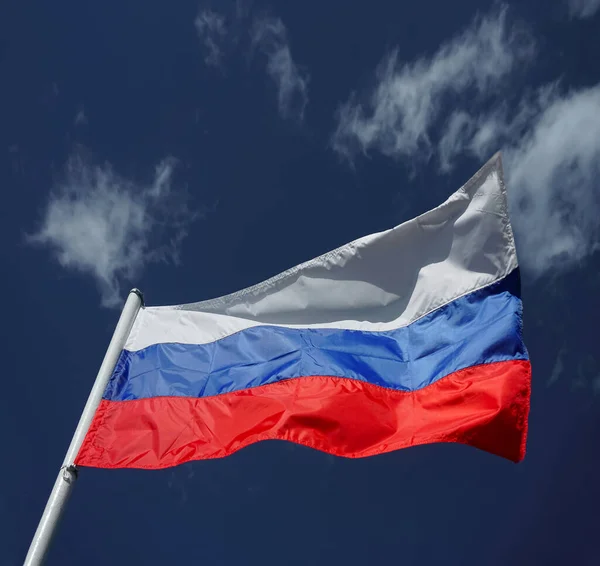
[(400, 338)]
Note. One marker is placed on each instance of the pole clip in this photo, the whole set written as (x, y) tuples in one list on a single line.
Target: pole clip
[(70, 473)]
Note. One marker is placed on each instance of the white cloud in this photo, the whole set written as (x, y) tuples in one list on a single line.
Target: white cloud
[(554, 172), (81, 117), (103, 225), (212, 32), (270, 36), (397, 116), (220, 35), (480, 134), (559, 366), (458, 129), (583, 8)]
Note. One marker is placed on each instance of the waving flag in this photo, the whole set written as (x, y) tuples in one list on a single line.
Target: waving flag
[(404, 337)]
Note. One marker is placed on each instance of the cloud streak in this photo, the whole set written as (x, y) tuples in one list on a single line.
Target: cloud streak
[(101, 224), (81, 117), (267, 37), (397, 117), (553, 171), (211, 30), (270, 36), (583, 8)]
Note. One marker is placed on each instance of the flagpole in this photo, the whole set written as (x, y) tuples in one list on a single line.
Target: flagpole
[(67, 474)]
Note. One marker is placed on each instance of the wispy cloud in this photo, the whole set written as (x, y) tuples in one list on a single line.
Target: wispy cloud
[(553, 171), (397, 117), (583, 8), (212, 32), (270, 36), (221, 32), (478, 132), (81, 117), (101, 224)]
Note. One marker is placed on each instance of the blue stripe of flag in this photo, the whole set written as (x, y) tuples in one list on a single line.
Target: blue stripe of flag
[(481, 327)]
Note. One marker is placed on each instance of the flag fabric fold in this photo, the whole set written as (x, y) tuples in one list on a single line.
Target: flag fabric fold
[(408, 336)]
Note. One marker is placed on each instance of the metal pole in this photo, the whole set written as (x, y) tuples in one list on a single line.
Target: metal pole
[(67, 474)]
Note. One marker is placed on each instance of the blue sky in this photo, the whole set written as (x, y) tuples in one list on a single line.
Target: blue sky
[(193, 149)]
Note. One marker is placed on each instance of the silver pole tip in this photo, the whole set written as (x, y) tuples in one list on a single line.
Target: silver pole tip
[(139, 294)]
